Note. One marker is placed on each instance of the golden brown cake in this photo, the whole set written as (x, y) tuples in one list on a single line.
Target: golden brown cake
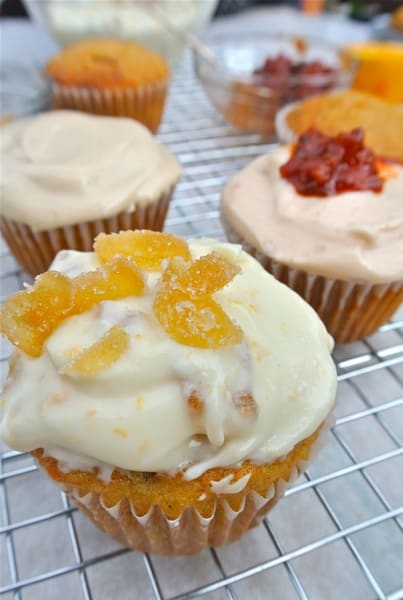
[(343, 111), (111, 77), (175, 389)]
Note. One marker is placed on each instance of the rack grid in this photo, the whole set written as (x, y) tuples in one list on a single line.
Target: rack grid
[(338, 531)]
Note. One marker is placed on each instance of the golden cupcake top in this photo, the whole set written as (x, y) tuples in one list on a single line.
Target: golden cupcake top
[(156, 354), (107, 63), (334, 112)]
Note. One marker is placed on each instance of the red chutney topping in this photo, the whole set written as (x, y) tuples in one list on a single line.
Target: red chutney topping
[(322, 165)]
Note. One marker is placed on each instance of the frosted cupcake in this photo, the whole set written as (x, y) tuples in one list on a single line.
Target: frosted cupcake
[(68, 176), (175, 390), (326, 218), (111, 77)]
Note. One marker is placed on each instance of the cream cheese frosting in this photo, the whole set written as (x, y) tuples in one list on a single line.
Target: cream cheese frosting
[(135, 415), (66, 167), (354, 236)]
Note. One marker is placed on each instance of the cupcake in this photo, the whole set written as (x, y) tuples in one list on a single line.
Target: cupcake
[(68, 176), (175, 389), (110, 77), (325, 217)]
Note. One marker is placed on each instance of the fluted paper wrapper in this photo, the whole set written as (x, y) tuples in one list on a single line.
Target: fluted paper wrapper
[(35, 250), (350, 310), (144, 103), (191, 532)]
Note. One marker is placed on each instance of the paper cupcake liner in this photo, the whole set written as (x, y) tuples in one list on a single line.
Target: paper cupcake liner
[(191, 532), (143, 103), (35, 250), (350, 310)]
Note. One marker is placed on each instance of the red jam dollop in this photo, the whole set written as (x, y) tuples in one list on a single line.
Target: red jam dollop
[(322, 165)]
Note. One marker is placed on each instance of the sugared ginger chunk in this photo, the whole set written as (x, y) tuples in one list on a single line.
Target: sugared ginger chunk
[(198, 322), (202, 277), (117, 279), (185, 309), (101, 355), (147, 249), (30, 316)]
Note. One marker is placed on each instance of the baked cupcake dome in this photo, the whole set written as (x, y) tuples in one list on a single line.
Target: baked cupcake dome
[(342, 254), (169, 445), (111, 77), (68, 176), (343, 111)]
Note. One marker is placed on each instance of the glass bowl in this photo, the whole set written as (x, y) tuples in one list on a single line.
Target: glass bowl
[(68, 21), (249, 99)]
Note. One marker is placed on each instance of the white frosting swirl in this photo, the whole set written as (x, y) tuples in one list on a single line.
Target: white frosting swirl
[(135, 414), (66, 167), (354, 236)]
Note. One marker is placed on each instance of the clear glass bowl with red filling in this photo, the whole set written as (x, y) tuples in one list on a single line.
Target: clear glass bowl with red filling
[(257, 75)]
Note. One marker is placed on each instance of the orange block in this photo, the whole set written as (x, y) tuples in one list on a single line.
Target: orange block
[(381, 69)]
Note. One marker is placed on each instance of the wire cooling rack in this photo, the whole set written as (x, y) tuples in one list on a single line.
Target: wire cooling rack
[(338, 532)]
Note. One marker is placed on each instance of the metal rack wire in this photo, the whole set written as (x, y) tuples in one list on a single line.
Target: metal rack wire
[(336, 534)]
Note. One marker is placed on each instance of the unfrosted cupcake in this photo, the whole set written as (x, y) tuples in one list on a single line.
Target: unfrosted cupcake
[(111, 77), (326, 218), (173, 390), (68, 176)]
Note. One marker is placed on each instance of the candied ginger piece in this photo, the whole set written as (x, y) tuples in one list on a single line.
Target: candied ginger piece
[(184, 307), (101, 355), (198, 322), (146, 248), (203, 277), (29, 316), (116, 279)]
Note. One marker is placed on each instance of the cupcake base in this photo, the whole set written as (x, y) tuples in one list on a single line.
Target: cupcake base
[(145, 103), (350, 311), (194, 529), (35, 250)]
